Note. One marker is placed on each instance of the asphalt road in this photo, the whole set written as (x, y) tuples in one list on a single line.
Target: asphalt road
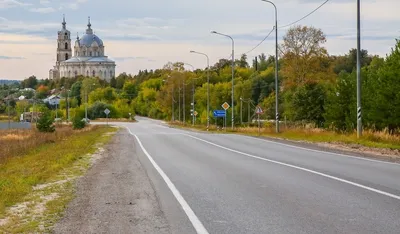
[(217, 183)]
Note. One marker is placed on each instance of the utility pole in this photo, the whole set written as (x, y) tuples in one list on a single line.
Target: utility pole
[(8, 110), (67, 106), (193, 101), (248, 112), (86, 103), (359, 110), (241, 111), (173, 109), (179, 101), (276, 67), (184, 112)]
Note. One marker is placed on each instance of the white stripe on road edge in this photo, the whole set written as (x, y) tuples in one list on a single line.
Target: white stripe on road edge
[(300, 168), (318, 151), (198, 226)]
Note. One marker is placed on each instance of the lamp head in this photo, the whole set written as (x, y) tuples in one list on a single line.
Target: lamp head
[(214, 32)]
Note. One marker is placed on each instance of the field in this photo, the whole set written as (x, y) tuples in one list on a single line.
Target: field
[(30, 159)]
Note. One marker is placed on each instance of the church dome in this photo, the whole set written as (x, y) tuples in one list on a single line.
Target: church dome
[(88, 39)]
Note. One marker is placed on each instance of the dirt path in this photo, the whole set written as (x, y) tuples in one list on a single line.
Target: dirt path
[(115, 196)]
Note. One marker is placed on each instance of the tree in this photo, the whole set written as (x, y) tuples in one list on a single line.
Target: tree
[(113, 83), (243, 61), (30, 82), (348, 62), (307, 103), (303, 56), (42, 92), (130, 90), (45, 123), (76, 91)]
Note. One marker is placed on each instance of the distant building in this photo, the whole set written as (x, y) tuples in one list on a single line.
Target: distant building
[(52, 100), (89, 58)]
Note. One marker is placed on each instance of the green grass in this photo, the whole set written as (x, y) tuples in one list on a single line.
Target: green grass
[(44, 164), (369, 139)]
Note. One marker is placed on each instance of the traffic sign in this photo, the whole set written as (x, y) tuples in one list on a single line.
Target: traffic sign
[(107, 111), (225, 106), (259, 111), (219, 113), (195, 113)]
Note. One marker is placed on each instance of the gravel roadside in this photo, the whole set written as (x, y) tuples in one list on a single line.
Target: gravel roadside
[(115, 196)]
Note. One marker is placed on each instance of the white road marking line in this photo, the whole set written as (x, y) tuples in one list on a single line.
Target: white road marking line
[(318, 151), (300, 168), (198, 226)]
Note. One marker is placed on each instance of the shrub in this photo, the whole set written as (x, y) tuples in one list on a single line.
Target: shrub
[(46, 123), (78, 123)]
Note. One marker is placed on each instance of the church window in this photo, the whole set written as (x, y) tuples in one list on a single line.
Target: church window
[(76, 73), (69, 73), (90, 53), (87, 73), (66, 45), (66, 36), (93, 73), (66, 56), (105, 74), (84, 53)]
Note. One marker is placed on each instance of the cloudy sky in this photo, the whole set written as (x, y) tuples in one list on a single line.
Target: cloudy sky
[(149, 33)]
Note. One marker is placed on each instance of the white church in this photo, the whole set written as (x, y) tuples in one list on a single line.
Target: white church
[(89, 58)]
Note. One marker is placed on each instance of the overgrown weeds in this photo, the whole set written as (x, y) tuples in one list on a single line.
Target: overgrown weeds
[(17, 142)]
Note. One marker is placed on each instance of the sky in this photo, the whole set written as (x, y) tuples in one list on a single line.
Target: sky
[(147, 34)]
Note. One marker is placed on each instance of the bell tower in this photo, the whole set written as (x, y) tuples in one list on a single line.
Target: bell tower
[(64, 50)]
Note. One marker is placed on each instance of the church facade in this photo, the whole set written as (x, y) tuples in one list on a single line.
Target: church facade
[(89, 56)]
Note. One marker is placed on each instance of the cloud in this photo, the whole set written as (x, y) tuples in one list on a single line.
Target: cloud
[(44, 2), (12, 3), (2, 57), (43, 10), (133, 37), (131, 58), (72, 5)]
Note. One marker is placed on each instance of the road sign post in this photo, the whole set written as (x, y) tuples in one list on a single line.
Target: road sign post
[(226, 107), (259, 111), (107, 112)]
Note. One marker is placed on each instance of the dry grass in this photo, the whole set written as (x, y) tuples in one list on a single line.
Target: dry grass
[(43, 162), (113, 120), (17, 142)]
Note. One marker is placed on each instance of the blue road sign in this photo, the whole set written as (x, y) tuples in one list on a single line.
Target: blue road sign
[(219, 113)]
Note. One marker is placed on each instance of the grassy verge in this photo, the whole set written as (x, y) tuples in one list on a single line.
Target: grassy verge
[(35, 187), (370, 139)]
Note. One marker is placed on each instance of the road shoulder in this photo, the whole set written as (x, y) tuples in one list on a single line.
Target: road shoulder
[(115, 196)]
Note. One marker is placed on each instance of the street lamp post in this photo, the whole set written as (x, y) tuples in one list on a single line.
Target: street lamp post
[(359, 110), (208, 87), (241, 111), (192, 93), (276, 67), (233, 74)]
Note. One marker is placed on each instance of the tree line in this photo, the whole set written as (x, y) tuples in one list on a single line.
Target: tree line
[(315, 88)]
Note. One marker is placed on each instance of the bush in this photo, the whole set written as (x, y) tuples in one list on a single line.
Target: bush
[(45, 123), (78, 123)]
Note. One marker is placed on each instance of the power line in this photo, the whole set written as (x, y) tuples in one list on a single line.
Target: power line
[(295, 22), (265, 38), (287, 25)]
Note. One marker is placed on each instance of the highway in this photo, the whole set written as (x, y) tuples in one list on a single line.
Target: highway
[(226, 183)]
